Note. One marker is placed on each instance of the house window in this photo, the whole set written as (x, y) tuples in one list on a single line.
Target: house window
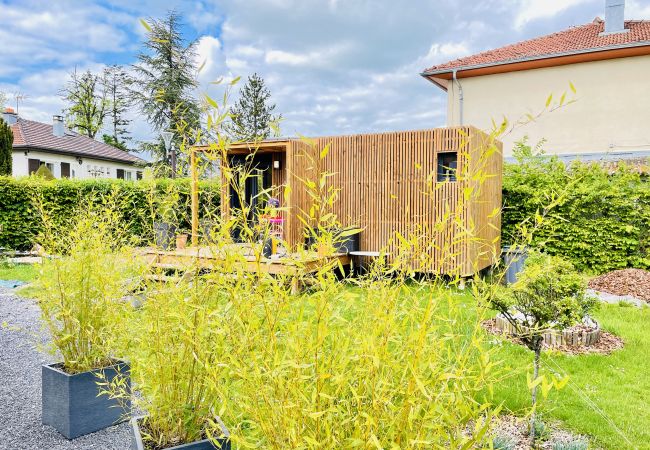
[(50, 166), (447, 165), (127, 175)]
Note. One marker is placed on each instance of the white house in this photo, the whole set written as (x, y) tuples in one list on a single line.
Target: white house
[(67, 154), (608, 62)]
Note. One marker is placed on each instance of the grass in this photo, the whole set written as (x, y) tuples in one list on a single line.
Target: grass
[(607, 397), (20, 272)]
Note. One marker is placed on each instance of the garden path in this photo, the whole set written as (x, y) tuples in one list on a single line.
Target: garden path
[(20, 386)]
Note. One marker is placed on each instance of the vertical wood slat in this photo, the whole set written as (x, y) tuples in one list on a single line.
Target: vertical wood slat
[(383, 192)]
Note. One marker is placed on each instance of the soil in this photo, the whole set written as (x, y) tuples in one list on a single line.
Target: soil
[(634, 282), (607, 343)]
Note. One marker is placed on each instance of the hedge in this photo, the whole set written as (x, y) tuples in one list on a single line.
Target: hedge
[(602, 218), (138, 202)]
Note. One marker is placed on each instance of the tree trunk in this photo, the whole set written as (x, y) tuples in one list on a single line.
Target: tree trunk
[(533, 416)]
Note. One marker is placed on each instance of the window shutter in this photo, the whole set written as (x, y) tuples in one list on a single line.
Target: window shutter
[(138, 175), (120, 174), (33, 165), (65, 170)]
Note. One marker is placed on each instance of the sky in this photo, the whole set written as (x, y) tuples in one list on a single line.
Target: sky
[(332, 66)]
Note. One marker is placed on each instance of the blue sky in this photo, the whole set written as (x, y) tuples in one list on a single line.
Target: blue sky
[(333, 66)]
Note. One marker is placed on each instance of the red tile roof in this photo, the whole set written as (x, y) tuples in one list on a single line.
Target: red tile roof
[(581, 39), (39, 136)]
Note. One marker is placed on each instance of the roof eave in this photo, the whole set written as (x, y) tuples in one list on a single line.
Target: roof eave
[(23, 147), (591, 54)]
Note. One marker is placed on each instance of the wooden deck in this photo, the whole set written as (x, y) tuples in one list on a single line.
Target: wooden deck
[(209, 258)]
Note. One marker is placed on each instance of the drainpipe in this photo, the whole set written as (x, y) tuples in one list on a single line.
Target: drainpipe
[(460, 96)]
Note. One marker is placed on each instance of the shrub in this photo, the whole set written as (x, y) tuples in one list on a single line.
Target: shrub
[(44, 173), (602, 218), (501, 442), (576, 444), (81, 291), (139, 204)]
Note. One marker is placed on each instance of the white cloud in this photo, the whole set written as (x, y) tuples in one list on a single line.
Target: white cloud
[(636, 10), (531, 10)]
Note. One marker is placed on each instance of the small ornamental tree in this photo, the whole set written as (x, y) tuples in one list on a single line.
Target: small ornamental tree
[(548, 294), (6, 144)]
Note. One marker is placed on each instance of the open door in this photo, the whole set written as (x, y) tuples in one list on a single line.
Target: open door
[(255, 185)]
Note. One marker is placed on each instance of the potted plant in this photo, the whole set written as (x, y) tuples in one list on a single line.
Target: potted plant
[(80, 307), (174, 357), (164, 224)]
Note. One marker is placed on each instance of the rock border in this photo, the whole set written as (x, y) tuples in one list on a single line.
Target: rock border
[(570, 337)]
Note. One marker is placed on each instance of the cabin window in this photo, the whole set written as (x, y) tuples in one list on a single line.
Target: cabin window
[(447, 165)]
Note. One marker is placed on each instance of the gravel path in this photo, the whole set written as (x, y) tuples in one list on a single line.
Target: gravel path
[(20, 387)]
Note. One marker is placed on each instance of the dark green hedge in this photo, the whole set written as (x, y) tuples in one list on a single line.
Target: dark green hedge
[(138, 202), (602, 218)]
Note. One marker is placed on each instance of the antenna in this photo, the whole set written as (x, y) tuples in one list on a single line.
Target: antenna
[(19, 97)]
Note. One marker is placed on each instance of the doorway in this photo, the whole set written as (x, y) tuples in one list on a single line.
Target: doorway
[(255, 188)]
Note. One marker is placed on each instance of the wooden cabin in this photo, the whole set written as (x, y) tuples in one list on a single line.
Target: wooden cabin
[(445, 181)]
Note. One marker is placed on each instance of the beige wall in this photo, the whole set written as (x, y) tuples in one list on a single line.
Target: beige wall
[(611, 112)]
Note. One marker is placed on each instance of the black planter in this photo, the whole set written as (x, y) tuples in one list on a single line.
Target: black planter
[(343, 245), (205, 444), (164, 235), (72, 404), (514, 260)]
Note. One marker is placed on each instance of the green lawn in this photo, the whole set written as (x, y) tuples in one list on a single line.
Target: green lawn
[(608, 396), (21, 272)]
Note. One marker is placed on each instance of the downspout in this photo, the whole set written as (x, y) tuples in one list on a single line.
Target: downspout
[(460, 96)]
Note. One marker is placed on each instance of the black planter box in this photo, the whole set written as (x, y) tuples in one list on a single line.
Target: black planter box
[(343, 245), (164, 234), (71, 403), (205, 444)]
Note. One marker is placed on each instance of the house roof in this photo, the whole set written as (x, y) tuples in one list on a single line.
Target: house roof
[(38, 136), (580, 40)]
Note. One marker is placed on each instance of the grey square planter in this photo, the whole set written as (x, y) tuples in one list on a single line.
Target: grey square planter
[(205, 444), (71, 403)]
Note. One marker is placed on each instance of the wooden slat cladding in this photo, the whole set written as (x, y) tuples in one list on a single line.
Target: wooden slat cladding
[(388, 188)]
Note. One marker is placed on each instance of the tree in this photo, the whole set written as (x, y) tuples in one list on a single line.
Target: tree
[(251, 117), (6, 145), (86, 96), (3, 100), (44, 172), (548, 294), (164, 81), (116, 82)]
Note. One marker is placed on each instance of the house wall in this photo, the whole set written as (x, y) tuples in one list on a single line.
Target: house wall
[(89, 168), (609, 115)]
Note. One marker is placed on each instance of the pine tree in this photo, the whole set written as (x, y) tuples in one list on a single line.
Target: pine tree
[(87, 102), (6, 145), (116, 82), (165, 78), (251, 117)]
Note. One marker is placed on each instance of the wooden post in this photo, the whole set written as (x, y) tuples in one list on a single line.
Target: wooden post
[(195, 198)]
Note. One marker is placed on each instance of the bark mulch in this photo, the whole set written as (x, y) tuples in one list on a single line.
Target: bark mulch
[(607, 343), (634, 282)]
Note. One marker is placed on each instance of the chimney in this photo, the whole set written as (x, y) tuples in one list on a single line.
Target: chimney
[(57, 126), (10, 116), (615, 16)]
